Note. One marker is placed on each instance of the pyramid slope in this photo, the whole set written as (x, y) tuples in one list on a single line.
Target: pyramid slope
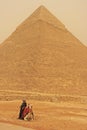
[(43, 58)]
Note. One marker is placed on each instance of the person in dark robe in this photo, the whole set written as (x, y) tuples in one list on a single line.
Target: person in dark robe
[(22, 107)]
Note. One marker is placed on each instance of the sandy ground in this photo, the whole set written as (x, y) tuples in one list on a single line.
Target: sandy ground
[(48, 115), (12, 127)]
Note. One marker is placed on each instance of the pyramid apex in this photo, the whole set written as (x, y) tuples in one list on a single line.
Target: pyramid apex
[(41, 9), (42, 13), (41, 6)]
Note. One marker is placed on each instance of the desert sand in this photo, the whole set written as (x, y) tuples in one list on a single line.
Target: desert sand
[(5, 126), (48, 115)]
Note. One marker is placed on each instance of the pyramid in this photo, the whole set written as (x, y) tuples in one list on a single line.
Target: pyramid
[(41, 55)]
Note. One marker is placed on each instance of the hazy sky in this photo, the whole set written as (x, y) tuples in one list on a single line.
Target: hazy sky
[(72, 13)]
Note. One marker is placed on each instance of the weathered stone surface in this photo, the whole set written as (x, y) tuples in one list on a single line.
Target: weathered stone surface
[(42, 55)]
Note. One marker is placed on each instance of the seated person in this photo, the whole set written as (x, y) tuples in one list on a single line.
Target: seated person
[(30, 114)]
